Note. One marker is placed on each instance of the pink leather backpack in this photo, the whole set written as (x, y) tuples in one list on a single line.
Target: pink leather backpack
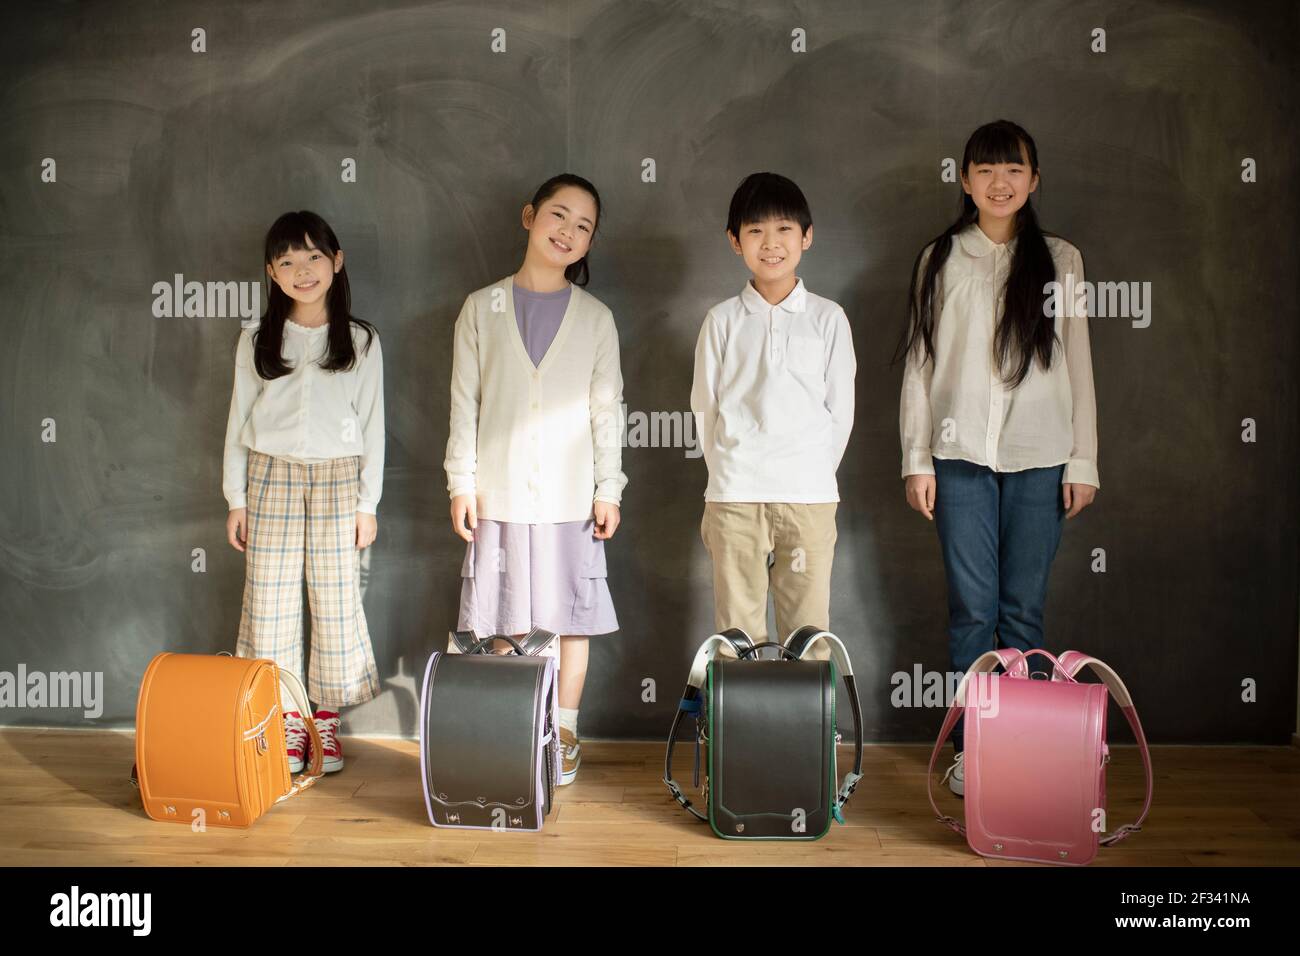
[(1035, 758)]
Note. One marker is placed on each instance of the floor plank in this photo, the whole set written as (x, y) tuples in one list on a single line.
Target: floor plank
[(67, 800)]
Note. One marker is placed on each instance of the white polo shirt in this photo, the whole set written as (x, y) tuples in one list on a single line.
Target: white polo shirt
[(773, 397), (957, 406)]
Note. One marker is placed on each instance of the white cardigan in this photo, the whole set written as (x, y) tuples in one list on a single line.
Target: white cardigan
[(535, 444)]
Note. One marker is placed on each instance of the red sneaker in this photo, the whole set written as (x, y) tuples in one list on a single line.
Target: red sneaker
[(327, 724), (295, 740)]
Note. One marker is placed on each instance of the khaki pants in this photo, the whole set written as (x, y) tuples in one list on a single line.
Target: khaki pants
[(740, 536)]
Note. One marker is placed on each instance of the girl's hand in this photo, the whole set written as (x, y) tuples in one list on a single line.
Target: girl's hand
[(464, 508), (607, 519), (1076, 497), (367, 528), (237, 528), (920, 494)]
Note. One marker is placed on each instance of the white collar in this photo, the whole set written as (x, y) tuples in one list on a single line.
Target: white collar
[(308, 329), (977, 244), (754, 302)]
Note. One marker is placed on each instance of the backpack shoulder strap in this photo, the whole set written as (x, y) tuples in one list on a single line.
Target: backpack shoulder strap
[(800, 642), (1073, 662), (461, 642), (1012, 661), (985, 663), (538, 640), (732, 637), (738, 641), (316, 768)]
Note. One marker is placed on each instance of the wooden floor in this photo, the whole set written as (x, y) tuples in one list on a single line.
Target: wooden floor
[(66, 800)]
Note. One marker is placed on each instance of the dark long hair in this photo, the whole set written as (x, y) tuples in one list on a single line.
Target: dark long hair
[(576, 272), (291, 231), (1025, 330)]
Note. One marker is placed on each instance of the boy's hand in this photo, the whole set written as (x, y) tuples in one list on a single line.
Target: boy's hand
[(367, 528), (464, 508), (920, 494), (1076, 497), (607, 519), (237, 528)]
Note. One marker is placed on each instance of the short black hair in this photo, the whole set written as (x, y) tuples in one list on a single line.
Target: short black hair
[(767, 196)]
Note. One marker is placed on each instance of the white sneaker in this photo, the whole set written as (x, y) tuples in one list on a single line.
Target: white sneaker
[(956, 776)]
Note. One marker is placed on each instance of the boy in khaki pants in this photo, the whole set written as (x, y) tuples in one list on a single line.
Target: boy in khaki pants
[(773, 404)]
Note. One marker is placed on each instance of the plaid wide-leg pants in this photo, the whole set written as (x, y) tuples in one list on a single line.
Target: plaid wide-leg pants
[(304, 517)]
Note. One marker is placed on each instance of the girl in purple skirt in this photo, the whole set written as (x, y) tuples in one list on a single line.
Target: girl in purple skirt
[(534, 457)]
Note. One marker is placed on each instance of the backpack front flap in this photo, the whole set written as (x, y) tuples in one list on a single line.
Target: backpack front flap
[(1033, 766), (487, 744), (207, 730), (771, 748)]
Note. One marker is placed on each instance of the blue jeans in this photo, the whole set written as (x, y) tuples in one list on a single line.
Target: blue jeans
[(998, 532)]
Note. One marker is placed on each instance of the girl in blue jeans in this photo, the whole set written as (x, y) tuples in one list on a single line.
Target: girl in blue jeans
[(998, 416)]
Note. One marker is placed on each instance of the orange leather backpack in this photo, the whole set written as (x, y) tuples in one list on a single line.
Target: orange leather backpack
[(209, 739)]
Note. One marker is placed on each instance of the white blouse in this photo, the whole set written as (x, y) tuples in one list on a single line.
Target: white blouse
[(956, 406), (309, 415), (535, 444)]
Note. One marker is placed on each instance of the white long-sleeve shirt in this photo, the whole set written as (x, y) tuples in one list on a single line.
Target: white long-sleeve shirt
[(535, 444), (957, 407), (773, 397), (309, 415)]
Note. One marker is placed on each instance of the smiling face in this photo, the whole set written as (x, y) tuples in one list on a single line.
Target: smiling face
[(305, 275), (560, 230), (1000, 189), (771, 248)]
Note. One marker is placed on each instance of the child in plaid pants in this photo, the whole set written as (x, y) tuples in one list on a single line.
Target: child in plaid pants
[(303, 472)]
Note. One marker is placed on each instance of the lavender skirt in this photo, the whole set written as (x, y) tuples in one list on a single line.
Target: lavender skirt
[(518, 576)]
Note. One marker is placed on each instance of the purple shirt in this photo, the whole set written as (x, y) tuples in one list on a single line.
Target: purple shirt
[(539, 315)]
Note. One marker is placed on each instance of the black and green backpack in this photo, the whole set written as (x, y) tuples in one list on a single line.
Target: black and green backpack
[(768, 728)]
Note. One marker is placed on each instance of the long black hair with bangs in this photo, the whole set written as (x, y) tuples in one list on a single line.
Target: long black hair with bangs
[(305, 230), (1026, 331)]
